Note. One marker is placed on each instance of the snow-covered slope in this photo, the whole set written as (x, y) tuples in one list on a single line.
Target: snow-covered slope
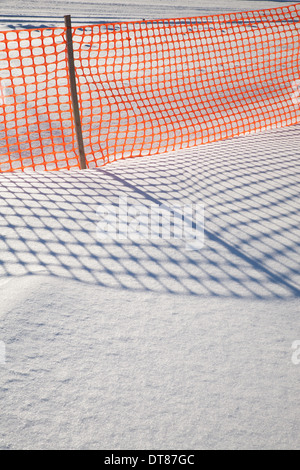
[(142, 344)]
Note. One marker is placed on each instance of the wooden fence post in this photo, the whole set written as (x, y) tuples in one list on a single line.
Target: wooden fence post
[(74, 97)]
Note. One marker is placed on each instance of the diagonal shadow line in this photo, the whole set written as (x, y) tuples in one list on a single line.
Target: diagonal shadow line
[(234, 250)]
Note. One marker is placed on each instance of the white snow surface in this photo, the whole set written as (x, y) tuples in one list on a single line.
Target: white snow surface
[(142, 344)]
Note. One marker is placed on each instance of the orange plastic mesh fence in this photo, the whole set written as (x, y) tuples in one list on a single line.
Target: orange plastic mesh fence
[(147, 87), (36, 124)]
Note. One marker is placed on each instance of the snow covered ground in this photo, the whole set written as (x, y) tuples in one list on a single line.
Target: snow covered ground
[(33, 13), (142, 344)]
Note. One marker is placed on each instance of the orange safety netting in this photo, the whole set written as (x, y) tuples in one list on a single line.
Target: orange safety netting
[(36, 124), (146, 87)]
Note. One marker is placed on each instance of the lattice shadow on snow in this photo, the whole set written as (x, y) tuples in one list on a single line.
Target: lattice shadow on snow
[(249, 187)]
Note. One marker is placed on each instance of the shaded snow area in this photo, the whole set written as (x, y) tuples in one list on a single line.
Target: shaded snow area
[(142, 343)]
